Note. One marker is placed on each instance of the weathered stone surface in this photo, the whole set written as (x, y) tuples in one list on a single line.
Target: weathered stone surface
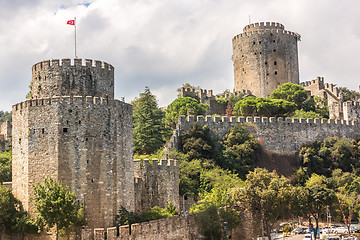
[(265, 56)]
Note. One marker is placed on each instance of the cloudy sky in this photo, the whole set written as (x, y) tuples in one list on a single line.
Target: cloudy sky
[(166, 43)]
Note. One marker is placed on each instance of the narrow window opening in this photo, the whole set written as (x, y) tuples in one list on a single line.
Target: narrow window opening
[(79, 122), (87, 161), (260, 53), (255, 53), (43, 130), (86, 139), (267, 74), (274, 50), (65, 130), (275, 62), (275, 72), (253, 43), (265, 63), (273, 41), (67, 122), (92, 180), (259, 42), (19, 140)]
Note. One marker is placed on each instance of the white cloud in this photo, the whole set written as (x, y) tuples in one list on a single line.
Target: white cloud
[(163, 44)]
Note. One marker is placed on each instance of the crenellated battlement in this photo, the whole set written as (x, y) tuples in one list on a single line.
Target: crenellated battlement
[(67, 62), (351, 110), (73, 100), (280, 135), (270, 31), (261, 120), (260, 26), (156, 163), (72, 77)]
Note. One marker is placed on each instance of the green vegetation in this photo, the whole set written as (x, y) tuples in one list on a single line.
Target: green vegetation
[(11, 219), (56, 205), (290, 92), (5, 116), (150, 132), (125, 217), (183, 106), (349, 95), (5, 166)]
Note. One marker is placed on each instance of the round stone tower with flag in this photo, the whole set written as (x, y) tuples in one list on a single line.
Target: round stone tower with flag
[(265, 56)]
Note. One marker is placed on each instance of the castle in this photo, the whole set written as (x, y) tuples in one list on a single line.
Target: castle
[(74, 130)]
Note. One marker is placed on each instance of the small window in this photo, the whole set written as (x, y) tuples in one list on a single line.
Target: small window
[(86, 139), (43, 130), (67, 122), (79, 122), (275, 72), (273, 41), (259, 42), (255, 53), (65, 130), (92, 180), (274, 50), (87, 161), (275, 62), (253, 43), (260, 53), (19, 140), (242, 55), (265, 63), (267, 74)]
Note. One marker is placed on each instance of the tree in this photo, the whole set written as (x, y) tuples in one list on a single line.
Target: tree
[(56, 205), (150, 132), (349, 95), (11, 219), (183, 106), (290, 92), (198, 143), (5, 166), (265, 194), (252, 106), (240, 151)]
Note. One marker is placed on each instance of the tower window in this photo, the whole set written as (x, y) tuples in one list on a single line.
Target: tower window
[(255, 53), (79, 122), (265, 63), (253, 43), (259, 42), (65, 130), (275, 72), (274, 50), (275, 62), (43, 131), (273, 41)]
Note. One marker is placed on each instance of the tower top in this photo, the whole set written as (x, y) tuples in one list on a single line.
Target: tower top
[(72, 78), (262, 26)]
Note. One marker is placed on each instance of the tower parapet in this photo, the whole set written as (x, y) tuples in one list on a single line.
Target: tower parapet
[(63, 78), (262, 26)]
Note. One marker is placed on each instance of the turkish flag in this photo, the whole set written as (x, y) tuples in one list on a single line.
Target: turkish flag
[(71, 22)]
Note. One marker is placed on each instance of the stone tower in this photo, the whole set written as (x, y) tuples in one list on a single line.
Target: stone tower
[(74, 130), (265, 56)]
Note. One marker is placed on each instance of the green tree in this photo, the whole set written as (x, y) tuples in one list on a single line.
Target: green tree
[(239, 154), (56, 205), (198, 143), (5, 116), (267, 195), (252, 106), (11, 219), (349, 95), (183, 106), (210, 223), (150, 132), (290, 92), (5, 166)]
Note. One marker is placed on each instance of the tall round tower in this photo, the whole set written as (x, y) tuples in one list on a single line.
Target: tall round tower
[(265, 56)]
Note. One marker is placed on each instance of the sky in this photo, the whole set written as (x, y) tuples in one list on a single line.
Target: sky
[(164, 44)]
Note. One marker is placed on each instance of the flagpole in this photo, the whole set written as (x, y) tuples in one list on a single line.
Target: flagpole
[(75, 35)]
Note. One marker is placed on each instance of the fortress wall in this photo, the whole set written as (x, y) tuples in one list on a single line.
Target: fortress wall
[(6, 129), (84, 141), (284, 136), (156, 183), (351, 110)]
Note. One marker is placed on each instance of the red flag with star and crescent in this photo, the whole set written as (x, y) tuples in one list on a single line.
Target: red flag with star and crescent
[(71, 22)]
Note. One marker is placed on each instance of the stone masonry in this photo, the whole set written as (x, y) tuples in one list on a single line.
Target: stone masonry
[(278, 135), (265, 56), (74, 131)]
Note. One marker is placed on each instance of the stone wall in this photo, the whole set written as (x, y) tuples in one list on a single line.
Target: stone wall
[(283, 136), (156, 184), (84, 141), (6, 129), (351, 110), (265, 56)]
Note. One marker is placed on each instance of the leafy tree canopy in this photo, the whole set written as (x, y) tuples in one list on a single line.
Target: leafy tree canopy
[(290, 92), (183, 106), (349, 95), (150, 132), (252, 106), (56, 205), (5, 166)]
